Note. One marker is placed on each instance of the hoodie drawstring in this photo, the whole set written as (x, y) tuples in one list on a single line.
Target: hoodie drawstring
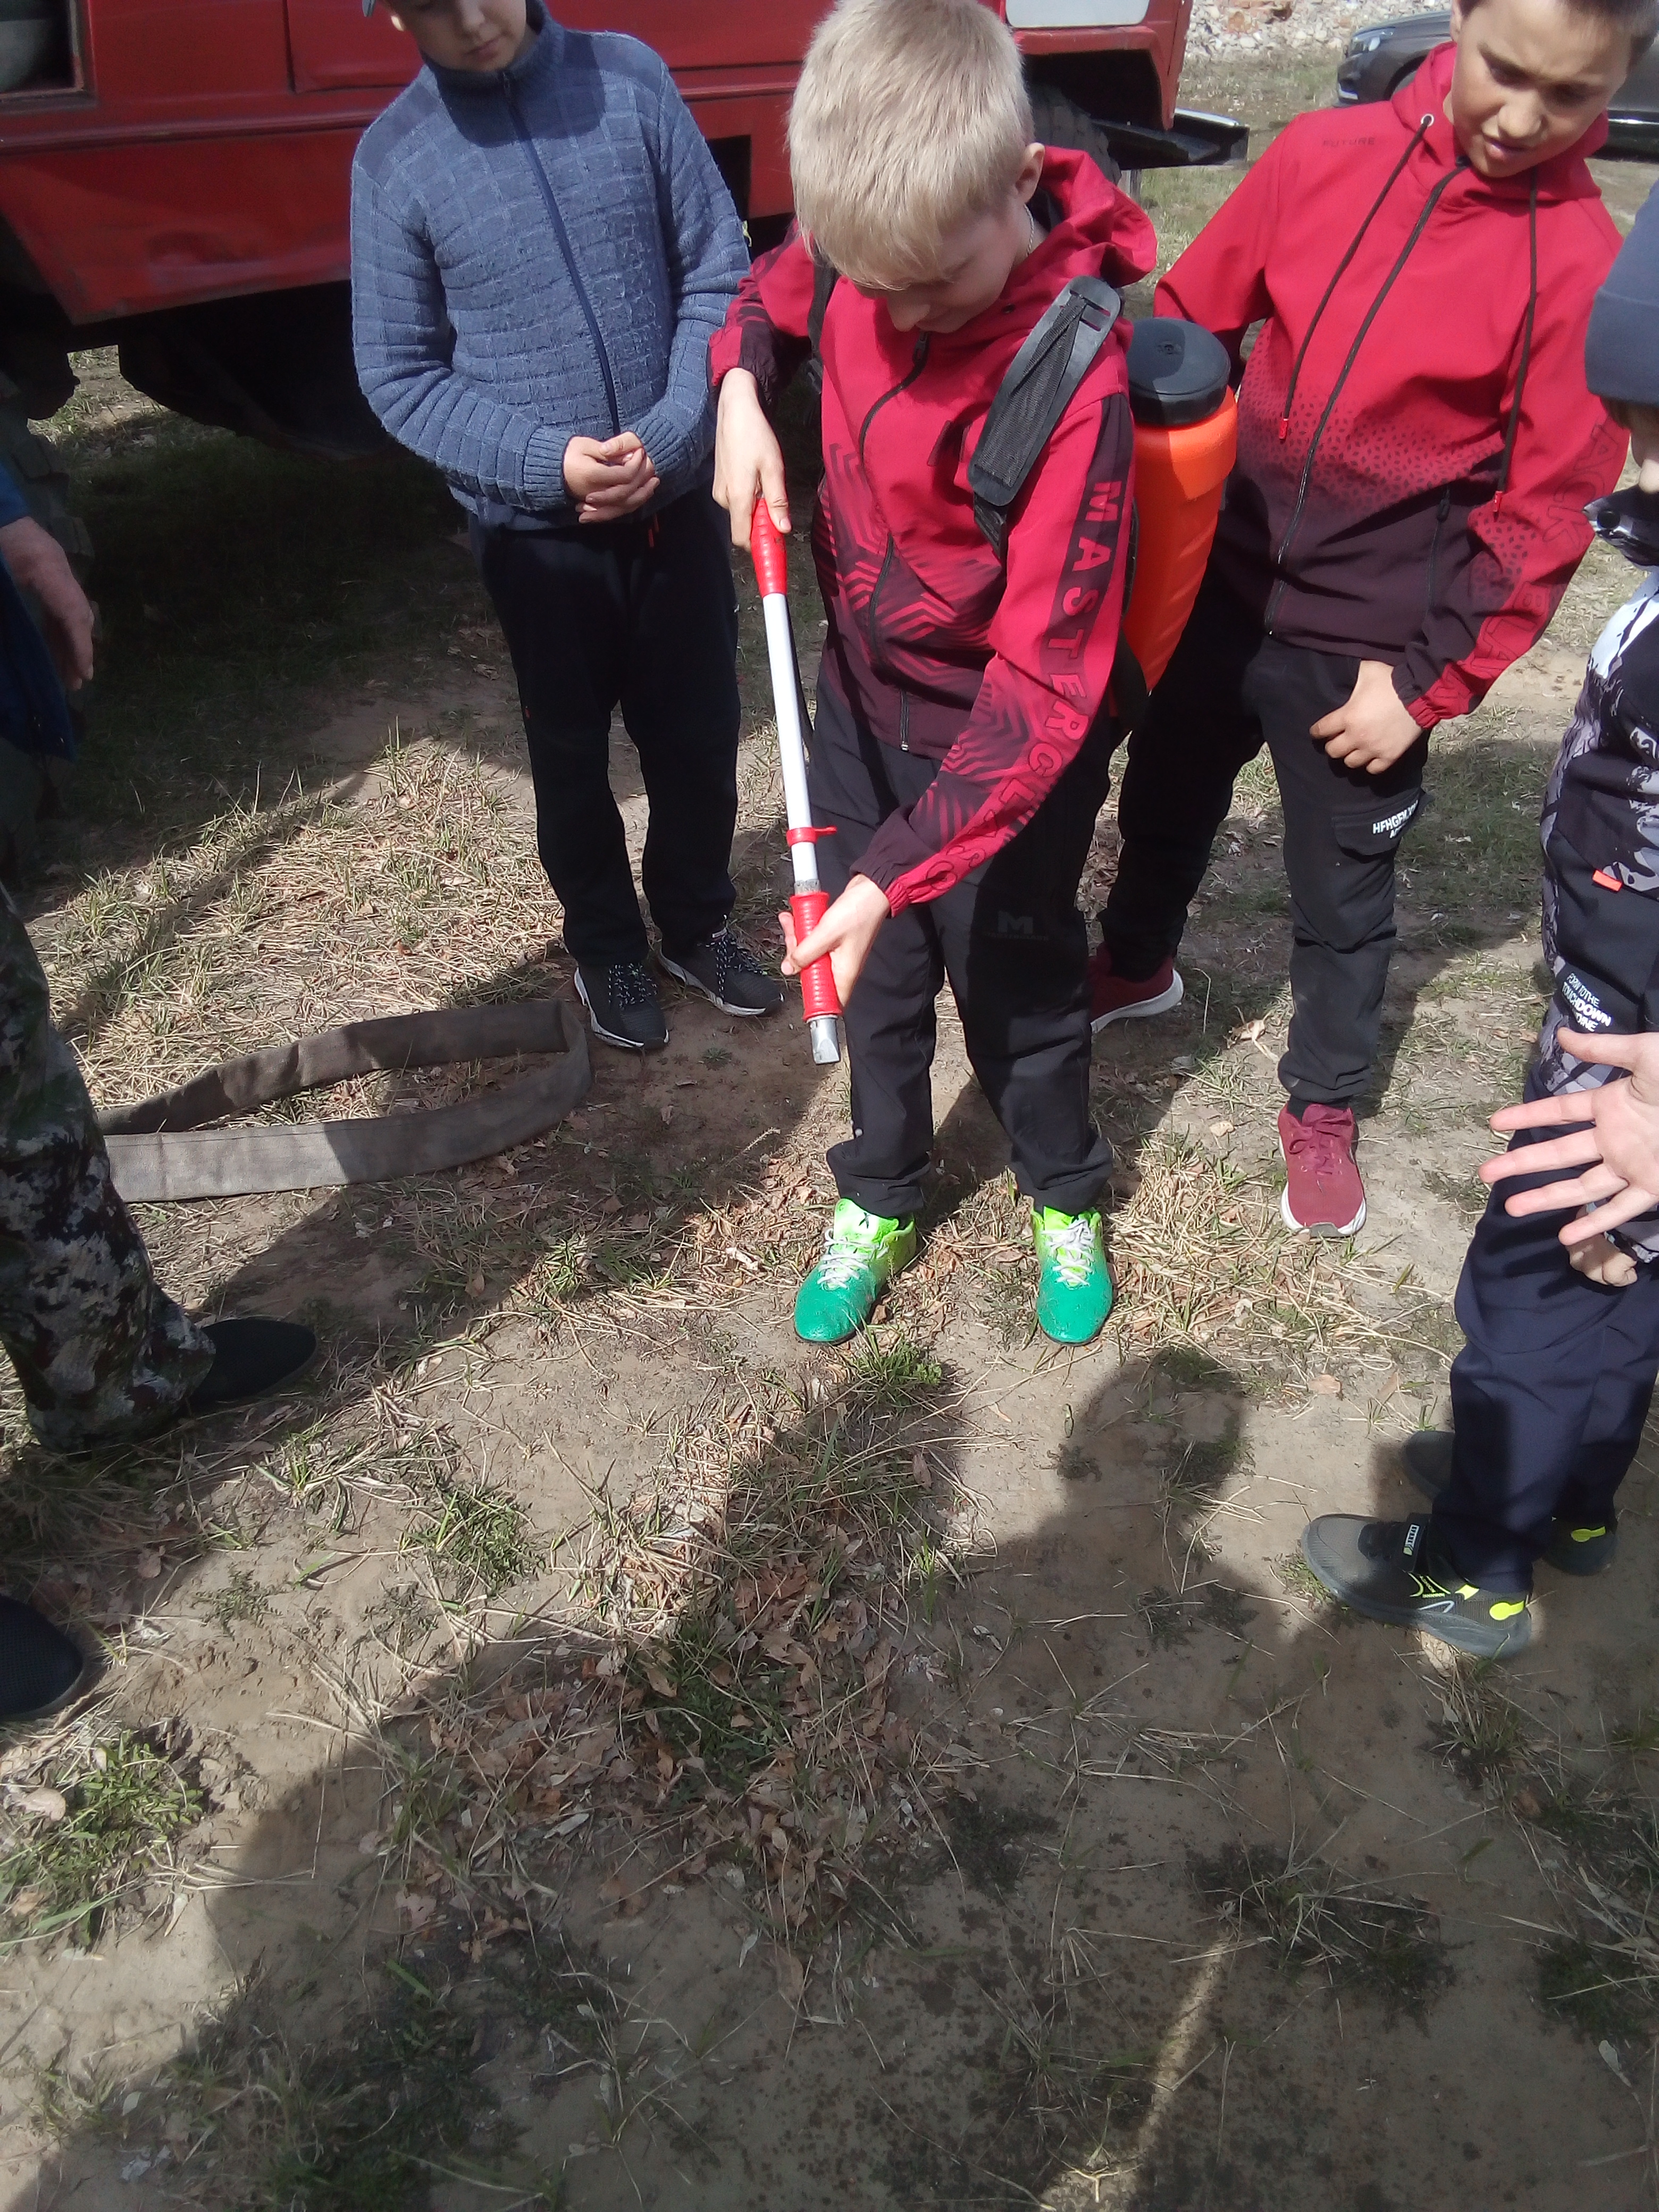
[(1514, 425), (1418, 136)]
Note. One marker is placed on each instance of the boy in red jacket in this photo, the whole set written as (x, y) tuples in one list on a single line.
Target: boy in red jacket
[(1416, 447), (963, 718)]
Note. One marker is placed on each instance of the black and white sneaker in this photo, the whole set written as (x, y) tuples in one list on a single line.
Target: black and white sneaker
[(622, 1005), (1575, 1548), (723, 970)]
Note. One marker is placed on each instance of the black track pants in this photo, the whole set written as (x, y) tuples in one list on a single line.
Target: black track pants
[(1014, 949), (1230, 690), (643, 615), (1549, 1394)]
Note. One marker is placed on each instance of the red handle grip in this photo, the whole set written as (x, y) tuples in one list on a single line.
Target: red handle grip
[(771, 557), (818, 982)]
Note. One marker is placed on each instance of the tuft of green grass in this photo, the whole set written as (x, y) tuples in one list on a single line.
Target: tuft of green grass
[(897, 1374), (359, 2123), (1578, 1984), (1007, 1302), (1637, 1737), (1356, 1935), (985, 1841), (477, 1530), (124, 1810), (241, 1599), (1480, 1733), (1168, 1618)]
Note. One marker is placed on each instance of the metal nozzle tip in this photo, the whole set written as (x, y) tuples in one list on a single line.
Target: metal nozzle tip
[(826, 1039)]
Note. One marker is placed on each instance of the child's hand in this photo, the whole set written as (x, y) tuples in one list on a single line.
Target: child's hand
[(846, 933), (1618, 1153), (1375, 728), (608, 479), (747, 460), (38, 564), (1603, 1262)]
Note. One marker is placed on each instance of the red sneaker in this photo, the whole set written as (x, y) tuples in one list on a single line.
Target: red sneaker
[(1324, 1193), (1115, 999)]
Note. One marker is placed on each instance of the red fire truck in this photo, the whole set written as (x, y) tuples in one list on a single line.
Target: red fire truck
[(174, 175)]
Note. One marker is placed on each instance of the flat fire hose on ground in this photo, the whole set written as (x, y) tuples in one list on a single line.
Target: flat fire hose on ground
[(160, 1151)]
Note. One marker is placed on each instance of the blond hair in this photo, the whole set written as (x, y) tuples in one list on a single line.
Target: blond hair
[(911, 116)]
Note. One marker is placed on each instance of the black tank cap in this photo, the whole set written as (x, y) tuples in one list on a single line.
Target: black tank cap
[(1177, 371)]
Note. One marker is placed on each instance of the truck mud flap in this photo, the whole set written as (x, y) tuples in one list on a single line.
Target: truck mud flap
[(1194, 140)]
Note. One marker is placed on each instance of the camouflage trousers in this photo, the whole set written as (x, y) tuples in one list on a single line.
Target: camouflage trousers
[(101, 1352)]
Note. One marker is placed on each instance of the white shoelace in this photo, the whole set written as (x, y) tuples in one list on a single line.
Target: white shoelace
[(840, 1263), (1073, 1250)]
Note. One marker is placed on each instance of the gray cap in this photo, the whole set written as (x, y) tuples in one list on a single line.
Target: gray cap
[(1621, 346)]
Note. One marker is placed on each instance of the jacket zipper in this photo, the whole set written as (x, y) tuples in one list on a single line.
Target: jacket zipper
[(919, 362), (571, 270), (1443, 510), (1371, 313)]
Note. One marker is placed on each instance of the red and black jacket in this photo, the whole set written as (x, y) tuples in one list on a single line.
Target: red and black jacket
[(1416, 442), (996, 669)]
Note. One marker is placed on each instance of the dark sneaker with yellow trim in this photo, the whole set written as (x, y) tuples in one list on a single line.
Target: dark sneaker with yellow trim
[(1573, 1551), (1389, 1570)]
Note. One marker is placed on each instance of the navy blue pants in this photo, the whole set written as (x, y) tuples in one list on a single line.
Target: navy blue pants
[(1549, 1395)]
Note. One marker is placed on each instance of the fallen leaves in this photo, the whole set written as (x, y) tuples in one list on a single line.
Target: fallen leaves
[(43, 1804)]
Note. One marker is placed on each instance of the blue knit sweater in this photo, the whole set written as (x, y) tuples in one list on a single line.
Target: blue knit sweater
[(539, 253)]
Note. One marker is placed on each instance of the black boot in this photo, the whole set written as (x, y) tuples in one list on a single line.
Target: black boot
[(39, 1668), (251, 1356)]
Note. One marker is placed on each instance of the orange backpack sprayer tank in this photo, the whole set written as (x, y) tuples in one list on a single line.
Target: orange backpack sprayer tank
[(1186, 437)]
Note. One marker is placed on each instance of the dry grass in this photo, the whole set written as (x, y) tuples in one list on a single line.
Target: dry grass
[(276, 919), (723, 1704), (1202, 1259)]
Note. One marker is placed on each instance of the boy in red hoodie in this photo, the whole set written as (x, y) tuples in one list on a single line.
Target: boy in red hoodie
[(1417, 444), (963, 718)]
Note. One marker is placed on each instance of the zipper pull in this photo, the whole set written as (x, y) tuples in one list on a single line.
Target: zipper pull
[(1284, 428)]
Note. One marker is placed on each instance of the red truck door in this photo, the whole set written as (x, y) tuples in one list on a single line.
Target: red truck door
[(735, 61), (333, 46)]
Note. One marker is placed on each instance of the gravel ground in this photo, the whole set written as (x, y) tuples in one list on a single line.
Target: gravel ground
[(1222, 28)]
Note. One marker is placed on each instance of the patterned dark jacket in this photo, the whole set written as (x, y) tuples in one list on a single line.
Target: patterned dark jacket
[(1600, 834)]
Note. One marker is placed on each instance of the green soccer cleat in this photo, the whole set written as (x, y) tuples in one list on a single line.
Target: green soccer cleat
[(861, 1252), (1074, 1288)]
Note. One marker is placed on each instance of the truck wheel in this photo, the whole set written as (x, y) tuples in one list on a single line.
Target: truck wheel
[(30, 789), (1058, 121)]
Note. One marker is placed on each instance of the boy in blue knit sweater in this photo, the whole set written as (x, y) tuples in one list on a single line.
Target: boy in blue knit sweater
[(541, 248)]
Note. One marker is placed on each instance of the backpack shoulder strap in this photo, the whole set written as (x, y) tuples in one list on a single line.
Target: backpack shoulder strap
[(1042, 380), (825, 277)]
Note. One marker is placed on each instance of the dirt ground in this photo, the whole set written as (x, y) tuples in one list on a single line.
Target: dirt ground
[(581, 1749)]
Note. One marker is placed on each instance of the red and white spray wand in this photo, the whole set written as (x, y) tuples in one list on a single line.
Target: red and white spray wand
[(810, 901)]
